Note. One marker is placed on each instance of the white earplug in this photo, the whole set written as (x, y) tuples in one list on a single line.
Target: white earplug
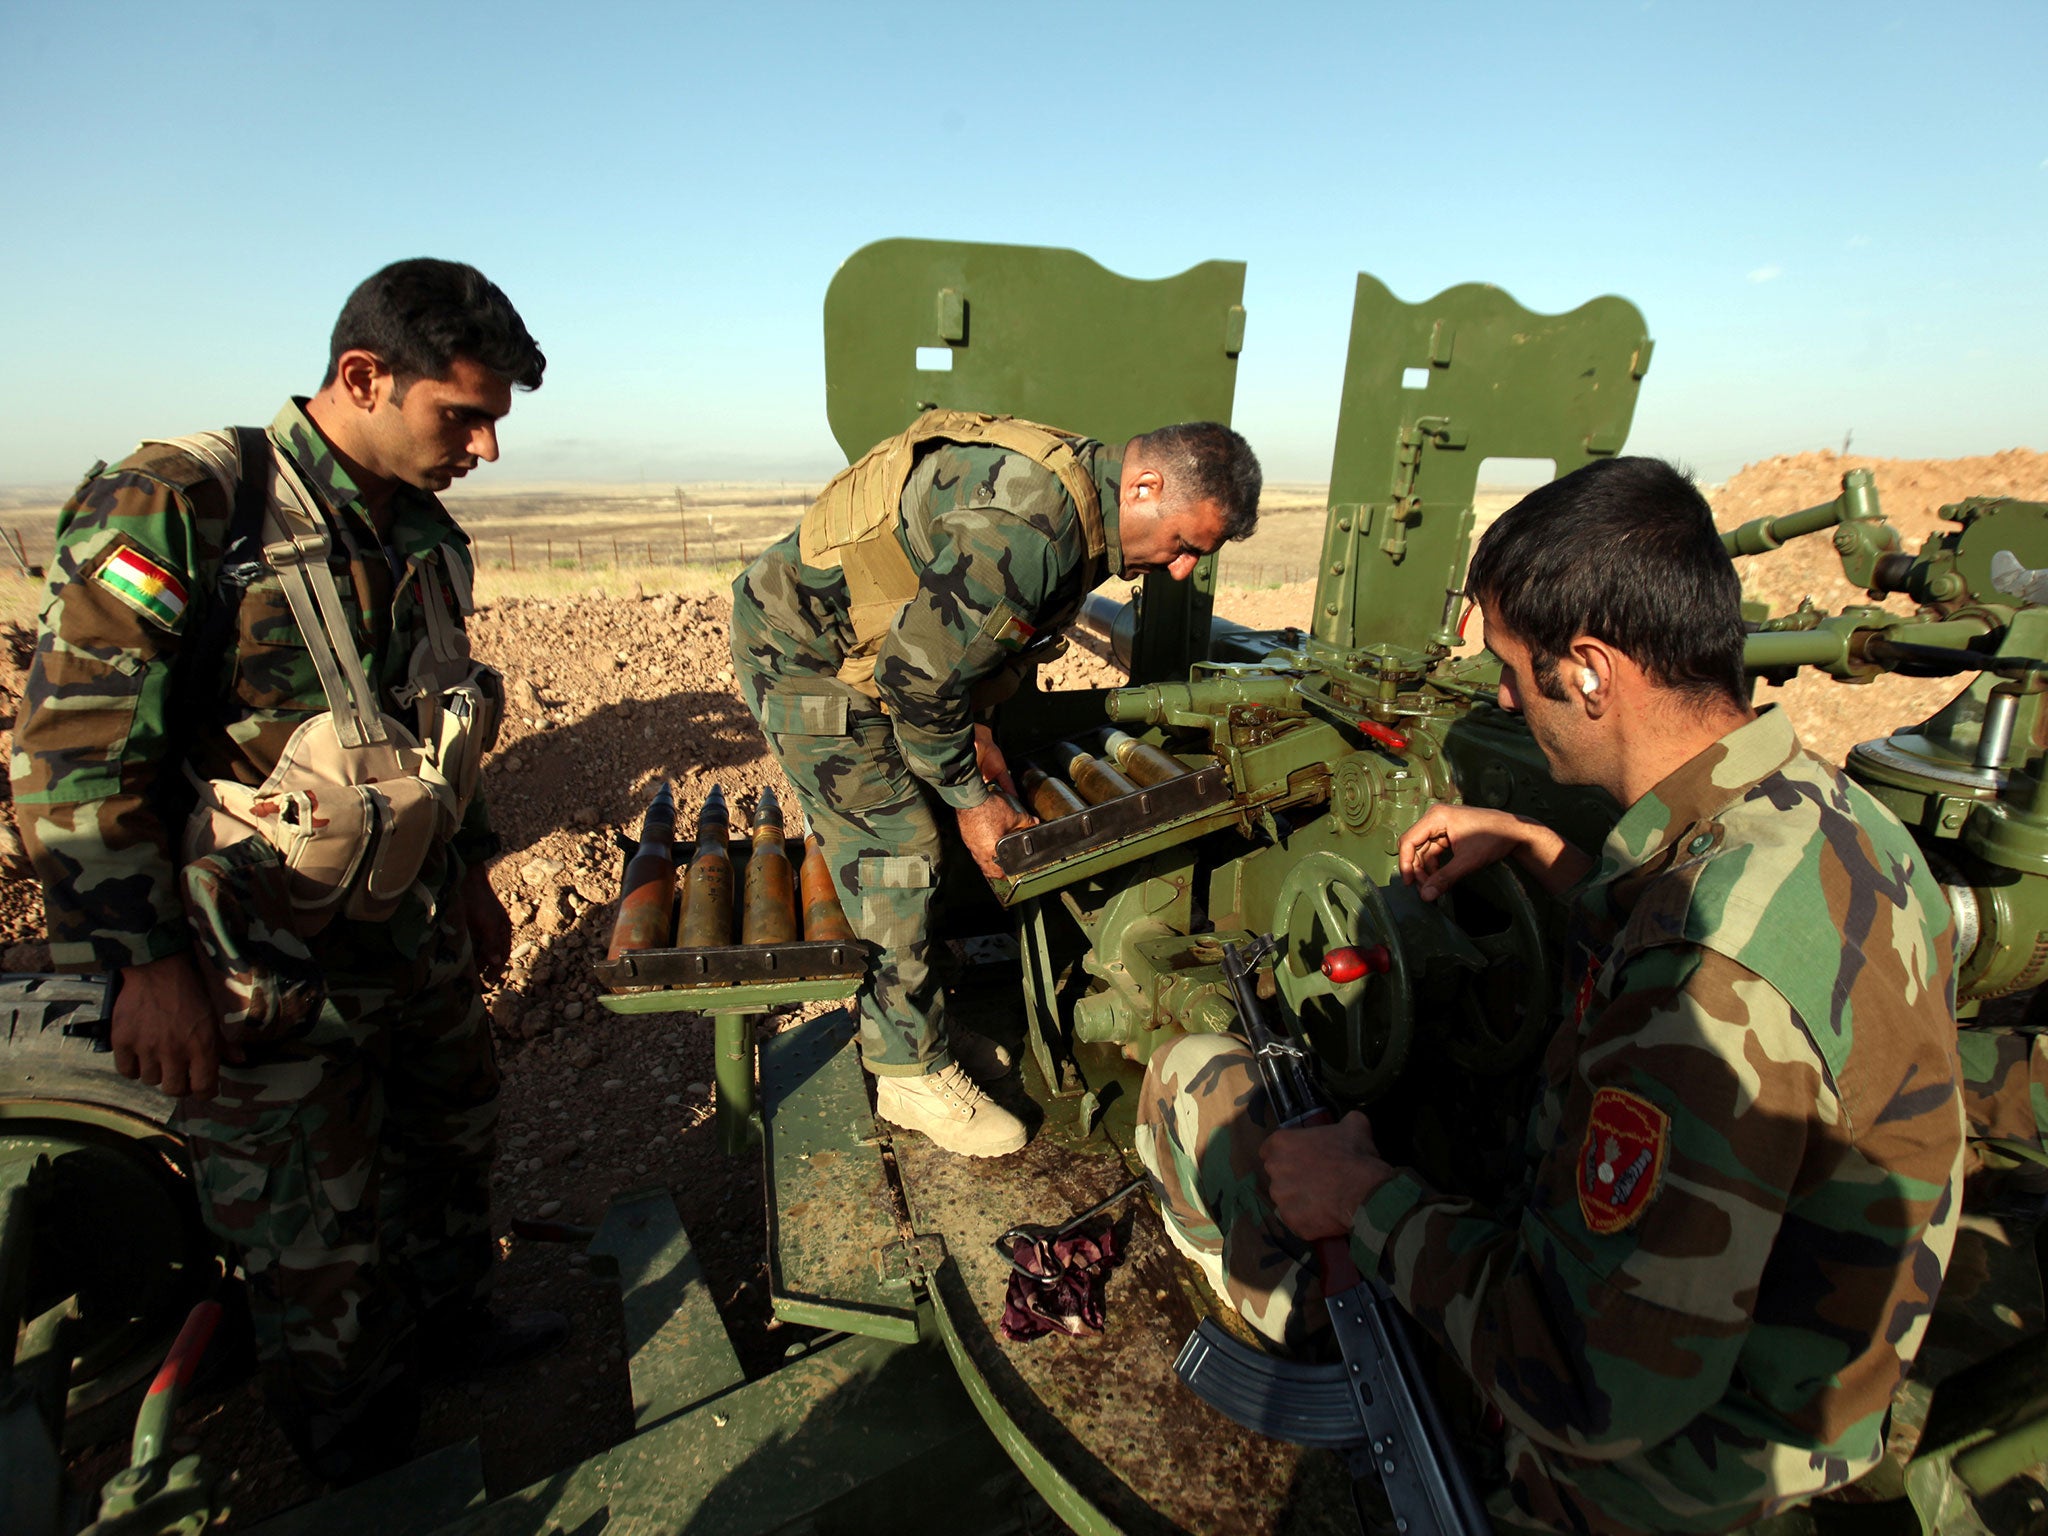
[(1588, 682)]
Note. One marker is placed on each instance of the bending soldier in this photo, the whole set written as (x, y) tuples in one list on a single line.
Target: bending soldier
[(230, 617), (1744, 1164), (913, 593)]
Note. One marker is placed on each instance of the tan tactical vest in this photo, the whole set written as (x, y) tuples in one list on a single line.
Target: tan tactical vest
[(852, 526), (356, 800)]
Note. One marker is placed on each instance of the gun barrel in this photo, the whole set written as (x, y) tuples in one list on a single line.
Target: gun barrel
[(1857, 503), (824, 918)]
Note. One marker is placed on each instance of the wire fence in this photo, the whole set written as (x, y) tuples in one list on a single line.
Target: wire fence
[(28, 553)]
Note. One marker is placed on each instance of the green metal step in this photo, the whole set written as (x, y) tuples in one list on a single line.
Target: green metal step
[(835, 1221), (677, 1348), (860, 1435)]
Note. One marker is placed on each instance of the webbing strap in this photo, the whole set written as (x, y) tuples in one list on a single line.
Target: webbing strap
[(1040, 443), (296, 547)]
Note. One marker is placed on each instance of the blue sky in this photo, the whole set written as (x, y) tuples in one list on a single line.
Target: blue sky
[(1831, 215)]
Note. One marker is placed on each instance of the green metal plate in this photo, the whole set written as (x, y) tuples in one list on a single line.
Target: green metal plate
[(678, 1352), (1045, 334), (833, 1214), (861, 1435), (749, 997), (1504, 382)]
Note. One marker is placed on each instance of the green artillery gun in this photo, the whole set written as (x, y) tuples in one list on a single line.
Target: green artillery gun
[(1268, 777)]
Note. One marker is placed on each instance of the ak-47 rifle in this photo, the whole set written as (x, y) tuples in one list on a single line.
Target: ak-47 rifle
[(1376, 1407)]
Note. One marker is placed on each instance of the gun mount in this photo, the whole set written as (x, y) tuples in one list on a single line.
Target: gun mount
[(1302, 755)]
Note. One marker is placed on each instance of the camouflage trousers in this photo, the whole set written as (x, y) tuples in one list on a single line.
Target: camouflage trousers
[(879, 828), (349, 1163)]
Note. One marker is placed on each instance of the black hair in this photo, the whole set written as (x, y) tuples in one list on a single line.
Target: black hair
[(1206, 461), (418, 316), (1624, 550)]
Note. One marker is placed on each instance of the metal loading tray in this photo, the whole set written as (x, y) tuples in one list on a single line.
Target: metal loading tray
[(1132, 825)]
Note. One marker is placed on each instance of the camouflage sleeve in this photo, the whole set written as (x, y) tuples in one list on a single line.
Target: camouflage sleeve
[(2005, 1083), (94, 760), (1609, 1312), (990, 573)]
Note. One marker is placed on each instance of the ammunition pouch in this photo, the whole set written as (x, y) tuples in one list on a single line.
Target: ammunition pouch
[(855, 525)]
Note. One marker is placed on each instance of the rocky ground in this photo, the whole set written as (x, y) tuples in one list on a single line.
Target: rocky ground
[(613, 692)]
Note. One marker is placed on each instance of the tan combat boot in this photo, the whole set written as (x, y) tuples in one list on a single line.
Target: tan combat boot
[(948, 1106)]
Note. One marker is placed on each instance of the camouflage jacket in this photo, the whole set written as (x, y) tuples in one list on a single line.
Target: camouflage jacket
[(1001, 554), (1745, 1161), (113, 713)]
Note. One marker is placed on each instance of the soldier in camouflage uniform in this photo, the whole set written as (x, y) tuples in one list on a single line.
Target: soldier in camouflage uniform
[(873, 718), (344, 1149), (1744, 1164)]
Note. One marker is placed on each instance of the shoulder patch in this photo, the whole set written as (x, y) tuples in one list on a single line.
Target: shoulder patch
[(143, 585), (1622, 1161), (1007, 628)]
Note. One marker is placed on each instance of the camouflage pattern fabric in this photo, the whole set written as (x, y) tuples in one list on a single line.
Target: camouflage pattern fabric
[(348, 1155), (1744, 1164), (2005, 1083), (103, 739), (349, 1160), (998, 543)]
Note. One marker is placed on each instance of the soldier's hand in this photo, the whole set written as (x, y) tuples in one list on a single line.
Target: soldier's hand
[(164, 1030), (1321, 1174), (490, 926), (983, 826), (988, 759), (1450, 841)]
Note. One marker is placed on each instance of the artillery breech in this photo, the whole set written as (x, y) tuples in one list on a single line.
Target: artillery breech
[(770, 913), (1047, 797), (824, 919), (1142, 763)]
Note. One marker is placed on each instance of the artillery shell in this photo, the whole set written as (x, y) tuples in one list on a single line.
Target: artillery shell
[(1096, 780), (1142, 763), (707, 916), (648, 889), (824, 919), (1048, 798), (769, 916)]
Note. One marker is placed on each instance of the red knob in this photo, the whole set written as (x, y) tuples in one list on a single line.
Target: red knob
[(1347, 965)]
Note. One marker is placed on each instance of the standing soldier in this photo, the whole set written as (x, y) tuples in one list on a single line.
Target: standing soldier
[(915, 592), (204, 756), (1744, 1165)]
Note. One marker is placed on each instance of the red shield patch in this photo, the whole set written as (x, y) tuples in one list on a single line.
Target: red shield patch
[(1622, 1160)]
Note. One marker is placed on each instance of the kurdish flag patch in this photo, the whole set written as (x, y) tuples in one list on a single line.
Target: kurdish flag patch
[(143, 585)]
